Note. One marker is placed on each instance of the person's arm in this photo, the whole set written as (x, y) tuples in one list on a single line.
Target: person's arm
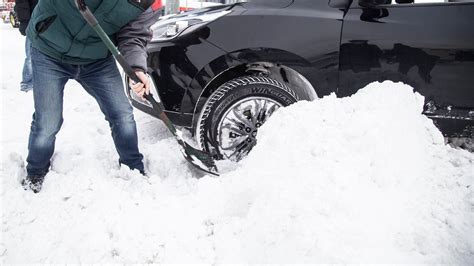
[(134, 37), (132, 41), (23, 13)]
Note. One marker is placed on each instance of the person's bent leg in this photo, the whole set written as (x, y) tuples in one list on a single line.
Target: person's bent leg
[(102, 80), (49, 78)]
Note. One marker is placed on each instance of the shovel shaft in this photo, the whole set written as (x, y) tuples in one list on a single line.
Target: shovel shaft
[(92, 21), (206, 162)]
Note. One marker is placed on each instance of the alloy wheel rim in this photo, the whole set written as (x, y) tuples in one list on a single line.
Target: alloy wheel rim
[(238, 128)]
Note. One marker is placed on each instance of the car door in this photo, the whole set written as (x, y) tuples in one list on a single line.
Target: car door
[(427, 45)]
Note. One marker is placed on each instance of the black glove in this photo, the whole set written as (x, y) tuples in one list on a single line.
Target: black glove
[(23, 26)]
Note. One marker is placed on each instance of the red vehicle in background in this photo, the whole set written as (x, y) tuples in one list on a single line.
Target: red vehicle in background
[(188, 5), (8, 13)]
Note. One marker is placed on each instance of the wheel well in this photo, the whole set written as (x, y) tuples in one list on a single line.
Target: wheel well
[(294, 80), (223, 77)]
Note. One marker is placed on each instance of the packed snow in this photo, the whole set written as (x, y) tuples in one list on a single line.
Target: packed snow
[(365, 179)]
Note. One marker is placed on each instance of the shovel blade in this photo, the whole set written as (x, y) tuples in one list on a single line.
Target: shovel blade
[(199, 159)]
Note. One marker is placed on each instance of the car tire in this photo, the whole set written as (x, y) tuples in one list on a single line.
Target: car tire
[(229, 121)]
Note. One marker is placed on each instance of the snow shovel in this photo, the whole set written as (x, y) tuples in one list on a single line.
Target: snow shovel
[(199, 159)]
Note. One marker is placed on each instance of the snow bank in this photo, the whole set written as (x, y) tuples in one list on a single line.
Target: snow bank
[(364, 179)]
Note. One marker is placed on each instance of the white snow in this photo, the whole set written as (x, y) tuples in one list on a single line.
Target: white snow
[(365, 179)]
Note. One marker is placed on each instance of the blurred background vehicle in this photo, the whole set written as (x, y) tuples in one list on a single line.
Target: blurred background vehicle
[(5, 8), (179, 6)]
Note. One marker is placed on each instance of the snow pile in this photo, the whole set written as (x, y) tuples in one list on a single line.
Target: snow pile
[(361, 179), (365, 179)]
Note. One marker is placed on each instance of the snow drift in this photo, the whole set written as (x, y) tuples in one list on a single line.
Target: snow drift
[(365, 179)]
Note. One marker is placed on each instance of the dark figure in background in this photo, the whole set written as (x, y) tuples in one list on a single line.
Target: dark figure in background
[(24, 9)]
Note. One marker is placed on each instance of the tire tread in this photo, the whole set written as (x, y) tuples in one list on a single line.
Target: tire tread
[(230, 85)]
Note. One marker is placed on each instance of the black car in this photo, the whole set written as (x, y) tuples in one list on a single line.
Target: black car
[(222, 71)]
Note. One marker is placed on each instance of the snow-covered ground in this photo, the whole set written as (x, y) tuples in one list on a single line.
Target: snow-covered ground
[(354, 180)]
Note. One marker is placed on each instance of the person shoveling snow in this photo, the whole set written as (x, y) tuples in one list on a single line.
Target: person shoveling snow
[(70, 50)]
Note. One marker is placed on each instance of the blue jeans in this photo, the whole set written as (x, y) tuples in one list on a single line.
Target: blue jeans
[(100, 79), (27, 76)]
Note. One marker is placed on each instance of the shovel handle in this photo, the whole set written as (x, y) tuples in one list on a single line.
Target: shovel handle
[(191, 155), (92, 21)]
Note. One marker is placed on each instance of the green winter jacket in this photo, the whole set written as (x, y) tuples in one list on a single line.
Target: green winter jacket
[(57, 28)]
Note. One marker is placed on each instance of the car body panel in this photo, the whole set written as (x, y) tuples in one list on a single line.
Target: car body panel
[(314, 24), (410, 43)]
